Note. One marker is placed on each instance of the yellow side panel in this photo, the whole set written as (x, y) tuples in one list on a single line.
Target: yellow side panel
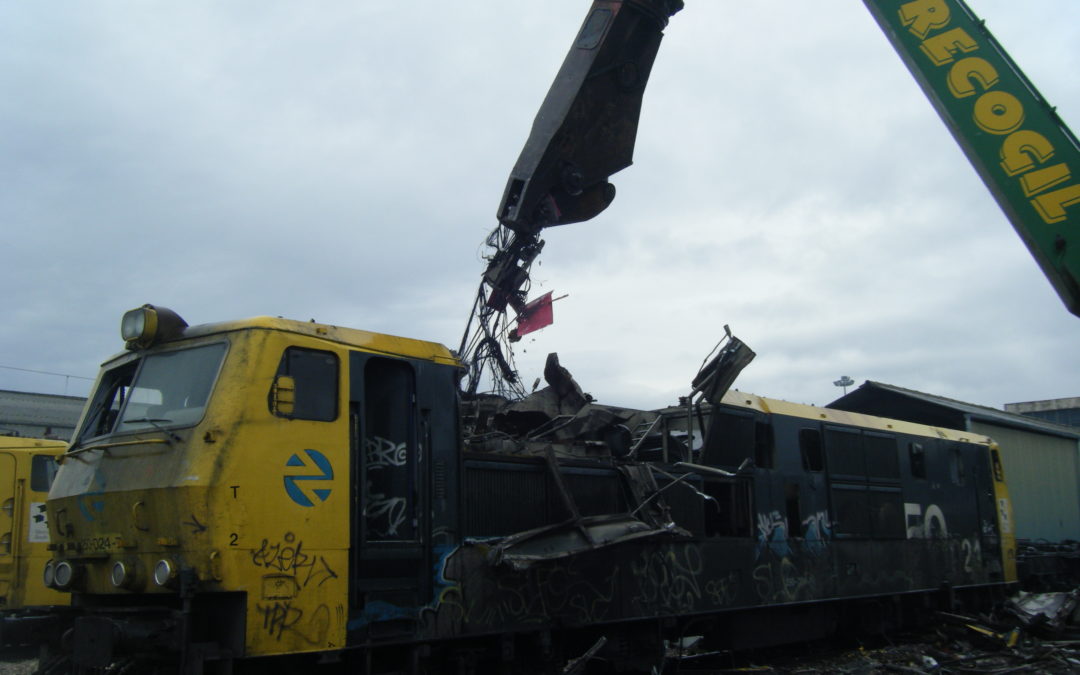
[(281, 501), (1004, 514), (7, 528)]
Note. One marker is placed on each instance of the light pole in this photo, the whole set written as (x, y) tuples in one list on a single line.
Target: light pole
[(844, 382)]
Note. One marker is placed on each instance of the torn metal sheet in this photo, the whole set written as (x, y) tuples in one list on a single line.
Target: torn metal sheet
[(522, 550), (1048, 610)]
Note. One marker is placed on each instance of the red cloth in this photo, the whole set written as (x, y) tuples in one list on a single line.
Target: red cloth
[(535, 315)]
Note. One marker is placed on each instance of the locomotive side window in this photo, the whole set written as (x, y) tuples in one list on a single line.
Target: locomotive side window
[(315, 374), (886, 513), (389, 448), (956, 465), (43, 469), (731, 439), (810, 447), (728, 515), (852, 510), (844, 450), (917, 457), (794, 514), (763, 445), (864, 477), (882, 460)]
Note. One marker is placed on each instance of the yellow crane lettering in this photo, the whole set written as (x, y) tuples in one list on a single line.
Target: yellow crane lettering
[(1051, 206), (941, 48), (998, 113), (1022, 149), (1043, 179), (922, 16), (966, 73)]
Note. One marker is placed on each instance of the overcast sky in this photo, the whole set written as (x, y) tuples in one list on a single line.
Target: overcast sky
[(343, 161)]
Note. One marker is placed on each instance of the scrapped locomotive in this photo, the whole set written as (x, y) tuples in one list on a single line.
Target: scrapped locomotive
[(272, 487)]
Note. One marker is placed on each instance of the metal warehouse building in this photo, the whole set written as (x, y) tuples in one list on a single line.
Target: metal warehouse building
[(39, 415), (1042, 459)]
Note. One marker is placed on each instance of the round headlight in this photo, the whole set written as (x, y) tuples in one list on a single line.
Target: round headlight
[(64, 575), (164, 572), (122, 575), (47, 575)]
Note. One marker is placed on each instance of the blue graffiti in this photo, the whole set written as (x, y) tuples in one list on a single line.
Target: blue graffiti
[(818, 532), (295, 492), (772, 535)]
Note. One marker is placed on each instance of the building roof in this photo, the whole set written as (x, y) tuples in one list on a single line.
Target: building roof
[(870, 389), (27, 412)]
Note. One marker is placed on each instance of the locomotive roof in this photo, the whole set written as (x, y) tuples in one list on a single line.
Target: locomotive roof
[(350, 337), (769, 405)]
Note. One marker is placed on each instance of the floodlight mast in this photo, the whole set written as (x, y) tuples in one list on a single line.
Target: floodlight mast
[(583, 133)]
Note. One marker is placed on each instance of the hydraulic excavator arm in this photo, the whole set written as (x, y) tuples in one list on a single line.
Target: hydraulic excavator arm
[(583, 133)]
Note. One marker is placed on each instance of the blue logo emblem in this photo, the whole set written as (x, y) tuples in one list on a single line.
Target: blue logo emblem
[(90, 503), (316, 460)]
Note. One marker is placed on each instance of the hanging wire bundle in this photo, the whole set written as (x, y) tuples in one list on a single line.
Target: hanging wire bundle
[(486, 345)]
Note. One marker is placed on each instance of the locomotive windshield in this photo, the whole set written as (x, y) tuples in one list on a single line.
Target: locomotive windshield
[(167, 389)]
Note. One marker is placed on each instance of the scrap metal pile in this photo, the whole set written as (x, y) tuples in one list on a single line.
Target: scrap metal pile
[(563, 419), (1031, 633)]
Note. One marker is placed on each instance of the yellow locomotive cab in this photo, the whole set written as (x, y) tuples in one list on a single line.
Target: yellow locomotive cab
[(214, 460)]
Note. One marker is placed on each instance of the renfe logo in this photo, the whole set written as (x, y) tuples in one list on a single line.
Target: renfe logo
[(326, 472)]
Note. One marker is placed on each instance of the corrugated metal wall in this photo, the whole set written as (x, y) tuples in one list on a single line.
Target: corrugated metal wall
[(36, 415), (1043, 473)]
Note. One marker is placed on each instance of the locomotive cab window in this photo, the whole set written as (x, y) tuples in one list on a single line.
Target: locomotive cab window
[(308, 380), (108, 398), (166, 389)]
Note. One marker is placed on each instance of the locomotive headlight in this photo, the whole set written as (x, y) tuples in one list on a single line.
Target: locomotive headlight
[(146, 325), (64, 575), (165, 572), (122, 574), (48, 574), (138, 324)]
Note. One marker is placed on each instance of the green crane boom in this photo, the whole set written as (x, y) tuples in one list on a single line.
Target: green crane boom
[(1023, 151)]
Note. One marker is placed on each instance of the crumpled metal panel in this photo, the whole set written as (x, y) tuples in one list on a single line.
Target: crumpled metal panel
[(521, 550)]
